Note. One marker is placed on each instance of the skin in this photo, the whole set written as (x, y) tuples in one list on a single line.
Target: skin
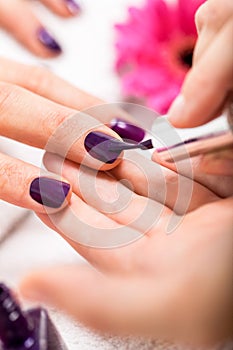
[(176, 286), (210, 80), (25, 30), (40, 99), (36, 99)]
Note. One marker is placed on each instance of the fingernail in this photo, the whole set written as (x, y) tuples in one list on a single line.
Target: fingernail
[(176, 112), (47, 40), (72, 6), (49, 192), (100, 146), (127, 131)]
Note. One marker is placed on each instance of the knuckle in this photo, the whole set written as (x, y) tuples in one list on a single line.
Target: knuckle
[(8, 95), (12, 176), (54, 120), (14, 180)]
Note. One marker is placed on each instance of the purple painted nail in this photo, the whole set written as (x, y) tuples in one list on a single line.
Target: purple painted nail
[(72, 6), (47, 40), (107, 149), (99, 146), (49, 192), (127, 131)]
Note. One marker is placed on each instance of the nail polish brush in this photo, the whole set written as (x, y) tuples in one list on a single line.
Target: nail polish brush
[(203, 144)]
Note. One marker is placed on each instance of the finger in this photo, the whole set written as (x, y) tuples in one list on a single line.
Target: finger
[(64, 8), (30, 32), (143, 177), (210, 18), (54, 127), (138, 306), (177, 190), (207, 84), (114, 304), (110, 196), (173, 300), (211, 187), (106, 244), (44, 83), (27, 186), (219, 163)]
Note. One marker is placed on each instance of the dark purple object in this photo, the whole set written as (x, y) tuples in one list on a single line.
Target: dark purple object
[(47, 40), (49, 192), (32, 330), (15, 329), (72, 6), (127, 131), (107, 149), (99, 146)]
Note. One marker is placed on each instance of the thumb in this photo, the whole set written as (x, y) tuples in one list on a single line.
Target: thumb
[(111, 304)]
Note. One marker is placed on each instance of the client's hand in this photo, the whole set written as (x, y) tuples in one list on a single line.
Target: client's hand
[(39, 118), (17, 17), (175, 285)]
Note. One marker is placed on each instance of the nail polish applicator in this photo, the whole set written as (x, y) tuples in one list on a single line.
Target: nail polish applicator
[(201, 144), (25, 330)]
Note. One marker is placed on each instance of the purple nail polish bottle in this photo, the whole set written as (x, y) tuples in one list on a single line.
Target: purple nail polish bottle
[(30, 330)]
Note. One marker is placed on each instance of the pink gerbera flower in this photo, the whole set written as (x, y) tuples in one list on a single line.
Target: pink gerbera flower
[(155, 49)]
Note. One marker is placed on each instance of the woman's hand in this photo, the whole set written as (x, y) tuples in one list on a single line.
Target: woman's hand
[(175, 285), (209, 84), (17, 17), (32, 111), (210, 80)]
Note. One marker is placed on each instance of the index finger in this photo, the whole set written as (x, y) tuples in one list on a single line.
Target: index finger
[(38, 122), (207, 84)]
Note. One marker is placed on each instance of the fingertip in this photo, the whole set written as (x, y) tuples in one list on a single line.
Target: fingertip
[(50, 194), (157, 159), (105, 146), (73, 7), (27, 288), (177, 114), (64, 8), (48, 43)]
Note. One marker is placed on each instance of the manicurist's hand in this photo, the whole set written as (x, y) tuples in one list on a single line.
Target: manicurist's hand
[(33, 111), (17, 17), (209, 84), (169, 274)]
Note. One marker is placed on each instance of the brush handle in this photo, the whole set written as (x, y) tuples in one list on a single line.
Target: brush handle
[(205, 144)]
